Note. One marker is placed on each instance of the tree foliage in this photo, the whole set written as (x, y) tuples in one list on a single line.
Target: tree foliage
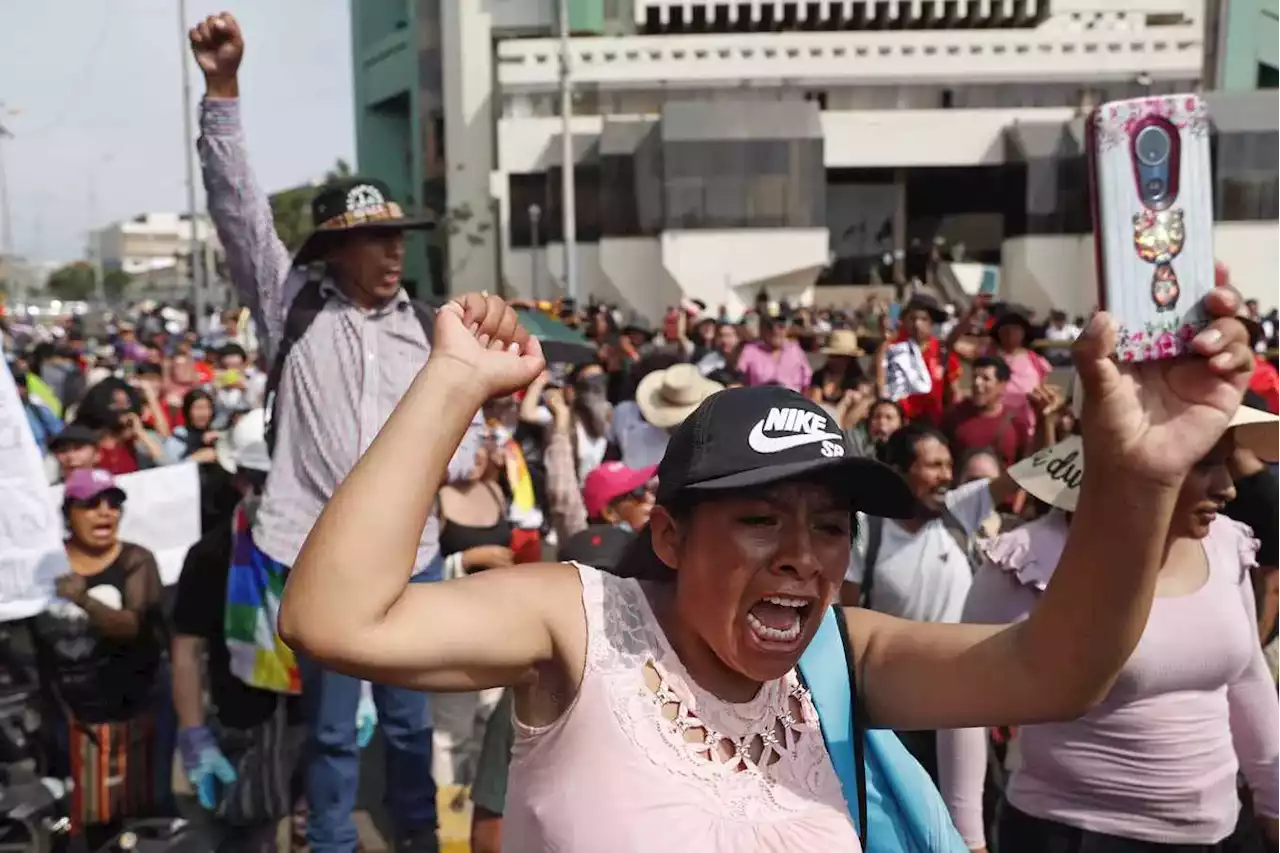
[(73, 282), (115, 283), (291, 208)]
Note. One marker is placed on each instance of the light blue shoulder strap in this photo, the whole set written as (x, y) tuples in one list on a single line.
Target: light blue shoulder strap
[(905, 813), (826, 674)]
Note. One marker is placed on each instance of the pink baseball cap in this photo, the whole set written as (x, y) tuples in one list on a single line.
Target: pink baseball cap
[(611, 481), (87, 483)]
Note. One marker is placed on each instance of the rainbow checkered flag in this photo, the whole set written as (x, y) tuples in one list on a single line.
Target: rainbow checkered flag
[(255, 585)]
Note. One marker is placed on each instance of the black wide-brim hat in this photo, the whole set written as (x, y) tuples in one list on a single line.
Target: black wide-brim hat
[(354, 204), (928, 303), (1010, 314)]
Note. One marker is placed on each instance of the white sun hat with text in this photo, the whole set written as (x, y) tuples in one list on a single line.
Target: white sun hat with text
[(1053, 475)]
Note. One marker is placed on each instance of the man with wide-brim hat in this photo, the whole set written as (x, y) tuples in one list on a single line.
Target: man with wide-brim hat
[(667, 397), (345, 342), (843, 343), (354, 207), (927, 303), (1008, 314)]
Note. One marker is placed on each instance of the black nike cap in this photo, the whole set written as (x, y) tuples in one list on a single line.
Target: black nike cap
[(744, 437)]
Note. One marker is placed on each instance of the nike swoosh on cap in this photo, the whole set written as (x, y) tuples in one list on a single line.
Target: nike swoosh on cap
[(762, 443)]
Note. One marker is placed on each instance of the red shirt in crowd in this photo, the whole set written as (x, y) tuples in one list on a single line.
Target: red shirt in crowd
[(928, 407), (970, 428), (118, 459), (1265, 382)]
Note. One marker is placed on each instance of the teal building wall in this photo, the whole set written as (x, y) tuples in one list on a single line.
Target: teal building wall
[(1247, 57), (385, 64)]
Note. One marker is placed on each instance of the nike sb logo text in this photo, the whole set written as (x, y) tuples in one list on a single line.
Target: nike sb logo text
[(803, 427)]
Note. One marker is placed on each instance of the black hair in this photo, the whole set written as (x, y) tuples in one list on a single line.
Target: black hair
[(885, 401), (232, 349), (658, 360), (727, 376), (95, 410), (190, 399), (1001, 366), (640, 561), (899, 450), (578, 369), (148, 368), (40, 353)]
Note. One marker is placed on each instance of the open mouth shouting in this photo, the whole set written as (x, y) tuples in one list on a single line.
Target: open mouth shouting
[(776, 622)]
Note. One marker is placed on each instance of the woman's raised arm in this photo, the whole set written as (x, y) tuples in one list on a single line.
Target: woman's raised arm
[(349, 603), (1144, 427)]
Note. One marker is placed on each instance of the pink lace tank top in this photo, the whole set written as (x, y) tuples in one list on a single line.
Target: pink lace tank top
[(645, 760)]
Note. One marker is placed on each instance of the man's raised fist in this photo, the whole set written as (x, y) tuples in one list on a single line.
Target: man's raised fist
[(218, 46)]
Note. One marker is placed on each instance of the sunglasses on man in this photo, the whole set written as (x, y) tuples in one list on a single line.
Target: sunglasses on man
[(114, 500)]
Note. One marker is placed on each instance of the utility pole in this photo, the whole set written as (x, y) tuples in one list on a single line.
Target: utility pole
[(568, 204), (93, 242), (6, 247), (196, 263)]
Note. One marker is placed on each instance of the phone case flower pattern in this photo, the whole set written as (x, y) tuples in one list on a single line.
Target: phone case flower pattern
[(1157, 264)]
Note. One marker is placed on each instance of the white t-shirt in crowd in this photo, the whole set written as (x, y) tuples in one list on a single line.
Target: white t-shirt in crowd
[(923, 575), (1069, 332)]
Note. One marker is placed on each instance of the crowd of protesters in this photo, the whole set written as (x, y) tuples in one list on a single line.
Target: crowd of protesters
[(276, 402)]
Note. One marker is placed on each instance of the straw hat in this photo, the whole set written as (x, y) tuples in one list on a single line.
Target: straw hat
[(843, 342), (1053, 475), (667, 397)]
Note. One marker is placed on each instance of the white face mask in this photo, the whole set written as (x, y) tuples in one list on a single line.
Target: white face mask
[(501, 435)]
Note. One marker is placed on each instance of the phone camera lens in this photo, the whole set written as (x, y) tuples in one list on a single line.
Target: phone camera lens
[(1152, 145)]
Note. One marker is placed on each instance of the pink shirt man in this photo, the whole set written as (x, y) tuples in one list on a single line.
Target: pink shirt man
[(774, 360)]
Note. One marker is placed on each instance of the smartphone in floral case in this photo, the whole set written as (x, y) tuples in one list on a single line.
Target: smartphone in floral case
[(1151, 192)]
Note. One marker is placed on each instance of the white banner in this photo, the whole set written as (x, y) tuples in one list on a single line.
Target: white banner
[(31, 553), (162, 513)]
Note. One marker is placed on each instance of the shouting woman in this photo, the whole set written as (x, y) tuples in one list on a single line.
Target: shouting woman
[(677, 697)]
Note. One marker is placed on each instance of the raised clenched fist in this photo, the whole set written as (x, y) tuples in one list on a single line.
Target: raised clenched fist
[(482, 337), (218, 47)]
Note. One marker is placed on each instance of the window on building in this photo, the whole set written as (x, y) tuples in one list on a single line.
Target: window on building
[(527, 195), (754, 183), (1245, 181), (619, 208)]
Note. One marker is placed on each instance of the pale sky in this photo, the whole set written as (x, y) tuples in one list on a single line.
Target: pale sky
[(98, 89)]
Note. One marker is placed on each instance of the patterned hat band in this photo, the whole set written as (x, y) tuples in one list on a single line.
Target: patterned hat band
[(386, 212)]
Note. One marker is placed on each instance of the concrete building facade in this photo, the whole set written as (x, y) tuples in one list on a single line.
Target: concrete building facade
[(724, 148)]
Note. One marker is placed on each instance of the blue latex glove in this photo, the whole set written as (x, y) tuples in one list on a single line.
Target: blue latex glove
[(366, 716), (206, 767)]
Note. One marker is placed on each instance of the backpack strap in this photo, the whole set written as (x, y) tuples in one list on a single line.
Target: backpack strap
[(828, 673), (959, 533), (426, 318), (875, 536), (304, 309)]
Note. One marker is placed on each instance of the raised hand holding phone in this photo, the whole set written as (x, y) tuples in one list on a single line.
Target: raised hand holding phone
[(1152, 200)]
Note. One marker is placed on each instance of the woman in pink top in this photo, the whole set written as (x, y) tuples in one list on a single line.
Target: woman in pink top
[(1153, 766), (1010, 333), (666, 714), (775, 359)]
